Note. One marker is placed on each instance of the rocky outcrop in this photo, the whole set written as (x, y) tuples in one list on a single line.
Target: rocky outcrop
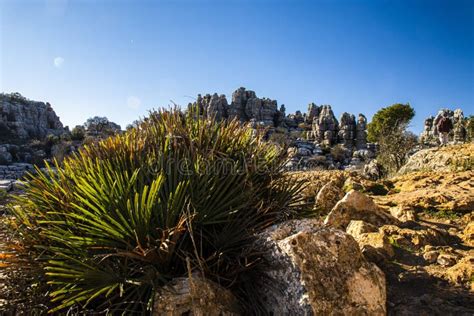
[(361, 132), (325, 127), (15, 170), (458, 134), (307, 132), (194, 296), (328, 197), (441, 159), (315, 270), (245, 106), (23, 119), (357, 206), (347, 130)]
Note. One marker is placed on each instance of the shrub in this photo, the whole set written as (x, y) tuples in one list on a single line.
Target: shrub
[(394, 149), (78, 133), (52, 140), (340, 153), (3, 196), (387, 119), (122, 217), (101, 127)]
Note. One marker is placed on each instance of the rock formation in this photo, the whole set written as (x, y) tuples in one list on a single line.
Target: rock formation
[(325, 126), (430, 130), (214, 104), (194, 296), (361, 132), (245, 106), (317, 270), (347, 130), (23, 119)]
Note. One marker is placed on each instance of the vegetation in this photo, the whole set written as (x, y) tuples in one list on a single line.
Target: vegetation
[(340, 153), (101, 127), (122, 217), (389, 129), (394, 148), (78, 133), (3, 196), (441, 214), (470, 128), (387, 119)]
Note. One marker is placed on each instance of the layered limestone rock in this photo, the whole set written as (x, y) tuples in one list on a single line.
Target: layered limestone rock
[(361, 132), (23, 119), (194, 296), (358, 206), (458, 134), (245, 106), (307, 132), (325, 126), (327, 197), (347, 130), (316, 270), (458, 158), (214, 105)]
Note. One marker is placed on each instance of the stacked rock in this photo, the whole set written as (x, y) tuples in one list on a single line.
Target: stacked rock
[(361, 132), (347, 130), (325, 127), (458, 134)]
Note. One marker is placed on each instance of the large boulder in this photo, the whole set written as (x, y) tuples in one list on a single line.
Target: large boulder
[(317, 270), (327, 197), (194, 296), (358, 206)]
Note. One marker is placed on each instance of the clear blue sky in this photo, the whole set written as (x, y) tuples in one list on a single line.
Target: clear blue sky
[(120, 58)]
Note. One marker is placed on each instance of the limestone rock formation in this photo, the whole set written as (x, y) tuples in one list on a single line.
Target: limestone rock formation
[(361, 132), (325, 127), (213, 105), (318, 126), (347, 130), (313, 112), (316, 270), (430, 130), (357, 206), (458, 157), (194, 296), (245, 106), (23, 119), (327, 197)]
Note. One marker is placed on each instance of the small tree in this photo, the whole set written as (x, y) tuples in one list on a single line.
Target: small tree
[(389, 129), (78, 133), (101, 127), (389, 118), (394, 148)]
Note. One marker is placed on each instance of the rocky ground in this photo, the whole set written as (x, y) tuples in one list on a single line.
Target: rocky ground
[(417, 227)]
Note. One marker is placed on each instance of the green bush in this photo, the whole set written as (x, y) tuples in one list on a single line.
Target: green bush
[(121, 218), (78, 133), (388, 119)]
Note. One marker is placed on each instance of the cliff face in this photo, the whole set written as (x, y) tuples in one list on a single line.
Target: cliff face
[(22, 119)]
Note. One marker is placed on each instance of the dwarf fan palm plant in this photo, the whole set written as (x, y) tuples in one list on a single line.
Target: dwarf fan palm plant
[(122, 217)]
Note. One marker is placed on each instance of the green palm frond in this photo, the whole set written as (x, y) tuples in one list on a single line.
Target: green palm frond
[(120, 218)]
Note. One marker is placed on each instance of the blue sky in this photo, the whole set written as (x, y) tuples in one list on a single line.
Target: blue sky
[(120, 58)]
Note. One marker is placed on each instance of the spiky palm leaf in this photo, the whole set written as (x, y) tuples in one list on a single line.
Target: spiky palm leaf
[(120, 218)]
